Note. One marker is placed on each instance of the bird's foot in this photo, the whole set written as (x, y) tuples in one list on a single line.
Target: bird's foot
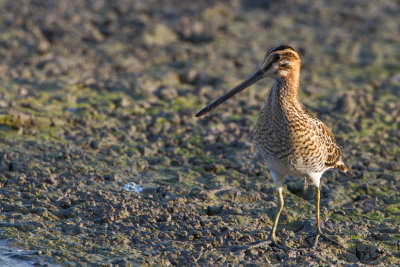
[(320, 234), (268, 242), (272, 241)]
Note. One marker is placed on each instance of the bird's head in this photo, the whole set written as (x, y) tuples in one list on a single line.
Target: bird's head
[(279, 63)]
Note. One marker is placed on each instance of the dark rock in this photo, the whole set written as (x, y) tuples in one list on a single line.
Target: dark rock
[(50, 179), (65, 203), (10, 166), (193, 31), (109, 177), (345, 104), (214, 210), (166, 93), (198, 78), (122, 102), (94, 144), (367, 253)]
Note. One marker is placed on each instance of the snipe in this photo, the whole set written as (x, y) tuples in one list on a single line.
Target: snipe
[(291, 140)]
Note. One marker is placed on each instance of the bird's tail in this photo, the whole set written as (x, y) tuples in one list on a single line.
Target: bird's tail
[(340, 165)]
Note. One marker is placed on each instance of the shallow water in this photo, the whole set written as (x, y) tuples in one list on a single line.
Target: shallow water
[(15, 257)]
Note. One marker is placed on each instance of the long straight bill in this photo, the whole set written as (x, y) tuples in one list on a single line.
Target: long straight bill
[(237, 89)]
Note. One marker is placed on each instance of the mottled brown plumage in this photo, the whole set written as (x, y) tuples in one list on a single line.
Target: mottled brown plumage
[(291, 140)]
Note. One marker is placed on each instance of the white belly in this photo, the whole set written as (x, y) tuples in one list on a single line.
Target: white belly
[(279, 170)]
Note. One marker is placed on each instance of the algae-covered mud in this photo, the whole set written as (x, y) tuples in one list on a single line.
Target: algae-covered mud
[(98, 94)]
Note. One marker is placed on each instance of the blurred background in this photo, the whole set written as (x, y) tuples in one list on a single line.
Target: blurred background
[(97, 94)]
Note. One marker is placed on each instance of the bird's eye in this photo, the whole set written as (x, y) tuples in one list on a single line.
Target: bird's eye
[(277, 56)]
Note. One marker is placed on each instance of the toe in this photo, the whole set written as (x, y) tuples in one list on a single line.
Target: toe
[(314, 246), (274, 239)]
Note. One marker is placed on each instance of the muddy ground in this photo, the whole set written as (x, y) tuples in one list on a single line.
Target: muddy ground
[(97, 94)]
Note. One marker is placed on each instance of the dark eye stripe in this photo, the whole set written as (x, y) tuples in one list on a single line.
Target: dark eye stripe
[(268, 66)]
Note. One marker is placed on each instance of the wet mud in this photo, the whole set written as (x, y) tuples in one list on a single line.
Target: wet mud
[(98, 94)]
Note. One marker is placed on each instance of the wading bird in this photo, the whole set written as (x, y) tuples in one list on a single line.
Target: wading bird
[(291, 140)]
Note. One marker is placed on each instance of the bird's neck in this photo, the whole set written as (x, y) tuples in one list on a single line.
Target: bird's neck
[(286, 89)]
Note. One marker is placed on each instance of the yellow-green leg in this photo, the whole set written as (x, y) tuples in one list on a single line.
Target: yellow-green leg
[(317, 199), (278, 213), (272, 237), (319, 232)]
